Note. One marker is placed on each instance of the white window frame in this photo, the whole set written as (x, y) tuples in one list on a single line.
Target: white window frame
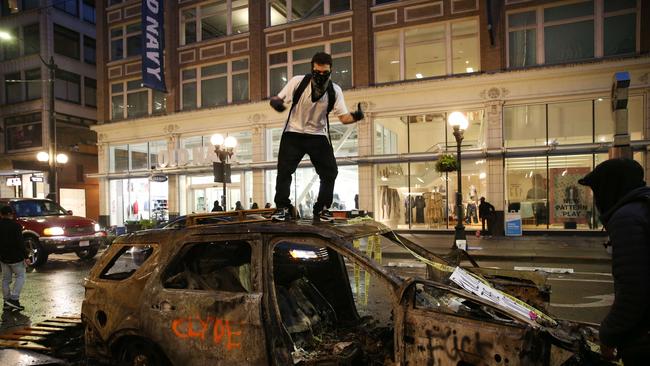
[(199, 16), (291, 62), (229, 74), (125, 92), (448, 46), (599, 28), (124, 37), (326, 11)]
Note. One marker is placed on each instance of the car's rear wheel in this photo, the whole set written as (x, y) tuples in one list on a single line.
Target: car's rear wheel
[(86, 254), (37, 254), (141, 353)]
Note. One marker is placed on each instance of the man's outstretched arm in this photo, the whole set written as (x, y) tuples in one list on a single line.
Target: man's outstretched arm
[(353, 116)]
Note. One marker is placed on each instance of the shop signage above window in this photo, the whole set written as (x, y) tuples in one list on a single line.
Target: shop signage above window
[(14, 182), (36, 179), (158, 178), (198, 156)]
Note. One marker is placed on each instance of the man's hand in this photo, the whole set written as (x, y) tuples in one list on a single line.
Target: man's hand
[(358, 114), (278, 104), (608, 353), (28, 262)]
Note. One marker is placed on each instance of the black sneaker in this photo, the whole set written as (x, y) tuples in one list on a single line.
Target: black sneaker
[(14, 304), (285, 214), (6, 306), (323, 216)]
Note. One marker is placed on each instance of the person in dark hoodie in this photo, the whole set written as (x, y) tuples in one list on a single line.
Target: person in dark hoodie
[(13, 259), (623, 199)]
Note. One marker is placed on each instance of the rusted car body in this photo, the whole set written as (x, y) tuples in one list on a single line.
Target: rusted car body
[(255, 292)]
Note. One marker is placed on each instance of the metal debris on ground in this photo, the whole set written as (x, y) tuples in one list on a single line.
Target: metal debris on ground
[(57, 341)]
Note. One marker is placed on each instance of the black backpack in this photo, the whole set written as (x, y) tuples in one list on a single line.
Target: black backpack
[(331, 99)]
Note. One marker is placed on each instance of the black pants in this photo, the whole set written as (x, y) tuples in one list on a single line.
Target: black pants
[(293, 147)]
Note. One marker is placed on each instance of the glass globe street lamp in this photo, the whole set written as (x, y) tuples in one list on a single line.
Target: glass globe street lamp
[(458, 121), (224, 148)]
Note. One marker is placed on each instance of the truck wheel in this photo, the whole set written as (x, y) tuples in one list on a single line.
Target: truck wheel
[(37, 253), (86, 254)]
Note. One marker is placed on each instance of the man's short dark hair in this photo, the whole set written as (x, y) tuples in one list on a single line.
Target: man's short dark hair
[(321, 58), (6, 210)]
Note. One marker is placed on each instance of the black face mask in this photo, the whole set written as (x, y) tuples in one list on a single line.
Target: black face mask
[(321, 80)]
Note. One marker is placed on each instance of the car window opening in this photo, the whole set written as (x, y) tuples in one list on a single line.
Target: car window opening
[(212, 266), (126, 262), (319, 310)]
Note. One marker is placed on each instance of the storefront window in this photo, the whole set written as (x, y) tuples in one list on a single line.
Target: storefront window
[(119, 158), (570, 204), (526, 190), (137, 199), (524, 125), (427, 132), (570, 123), (391, 203), (391, 135), (474, 186), (138, 154), (273, 136), (605, 119), (345, 139), (155, 147)]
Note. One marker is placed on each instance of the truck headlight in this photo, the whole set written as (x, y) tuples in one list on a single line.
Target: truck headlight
[(97, 228), (53, 231)]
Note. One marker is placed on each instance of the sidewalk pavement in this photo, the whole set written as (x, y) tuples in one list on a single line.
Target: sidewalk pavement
[(554, 249)]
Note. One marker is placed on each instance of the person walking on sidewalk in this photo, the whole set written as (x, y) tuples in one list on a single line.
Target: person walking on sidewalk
[(623, 199), (486, 213), (313, 97), (13, 259)]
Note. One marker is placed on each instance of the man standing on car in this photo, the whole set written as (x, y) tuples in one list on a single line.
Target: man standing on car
[(623, 199), (13, 259), (306, 131)]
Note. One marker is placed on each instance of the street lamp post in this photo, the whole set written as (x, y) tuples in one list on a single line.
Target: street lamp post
[(52, 177), (459, 123), (224, 149)]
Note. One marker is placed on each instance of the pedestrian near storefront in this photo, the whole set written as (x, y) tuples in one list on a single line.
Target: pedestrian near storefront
[(13, 259), (623, 199), (306, 131), (486, 213)]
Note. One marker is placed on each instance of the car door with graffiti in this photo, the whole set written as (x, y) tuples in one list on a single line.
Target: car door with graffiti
[(206, 305), (444, 326)]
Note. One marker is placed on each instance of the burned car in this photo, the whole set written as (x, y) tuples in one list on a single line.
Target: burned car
[(248, 290)]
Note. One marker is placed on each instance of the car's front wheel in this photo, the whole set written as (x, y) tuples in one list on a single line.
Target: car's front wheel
[(37, 254), (86, 254), (141, 353)]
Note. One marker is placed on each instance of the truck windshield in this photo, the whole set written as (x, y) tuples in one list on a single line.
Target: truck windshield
[(37, 208)]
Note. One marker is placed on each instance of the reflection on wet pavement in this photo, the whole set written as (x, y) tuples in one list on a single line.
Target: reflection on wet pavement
[(52, 290)]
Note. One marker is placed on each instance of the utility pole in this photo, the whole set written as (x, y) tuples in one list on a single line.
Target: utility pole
[(52, 174)]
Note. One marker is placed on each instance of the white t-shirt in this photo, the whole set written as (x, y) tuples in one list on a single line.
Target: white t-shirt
[(307, 116)]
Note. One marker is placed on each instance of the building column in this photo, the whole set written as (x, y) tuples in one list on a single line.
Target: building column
[(259, 184), (257, 47), (494, 140), (104, 186), (363, 45), (173, 184), (366, 171)]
